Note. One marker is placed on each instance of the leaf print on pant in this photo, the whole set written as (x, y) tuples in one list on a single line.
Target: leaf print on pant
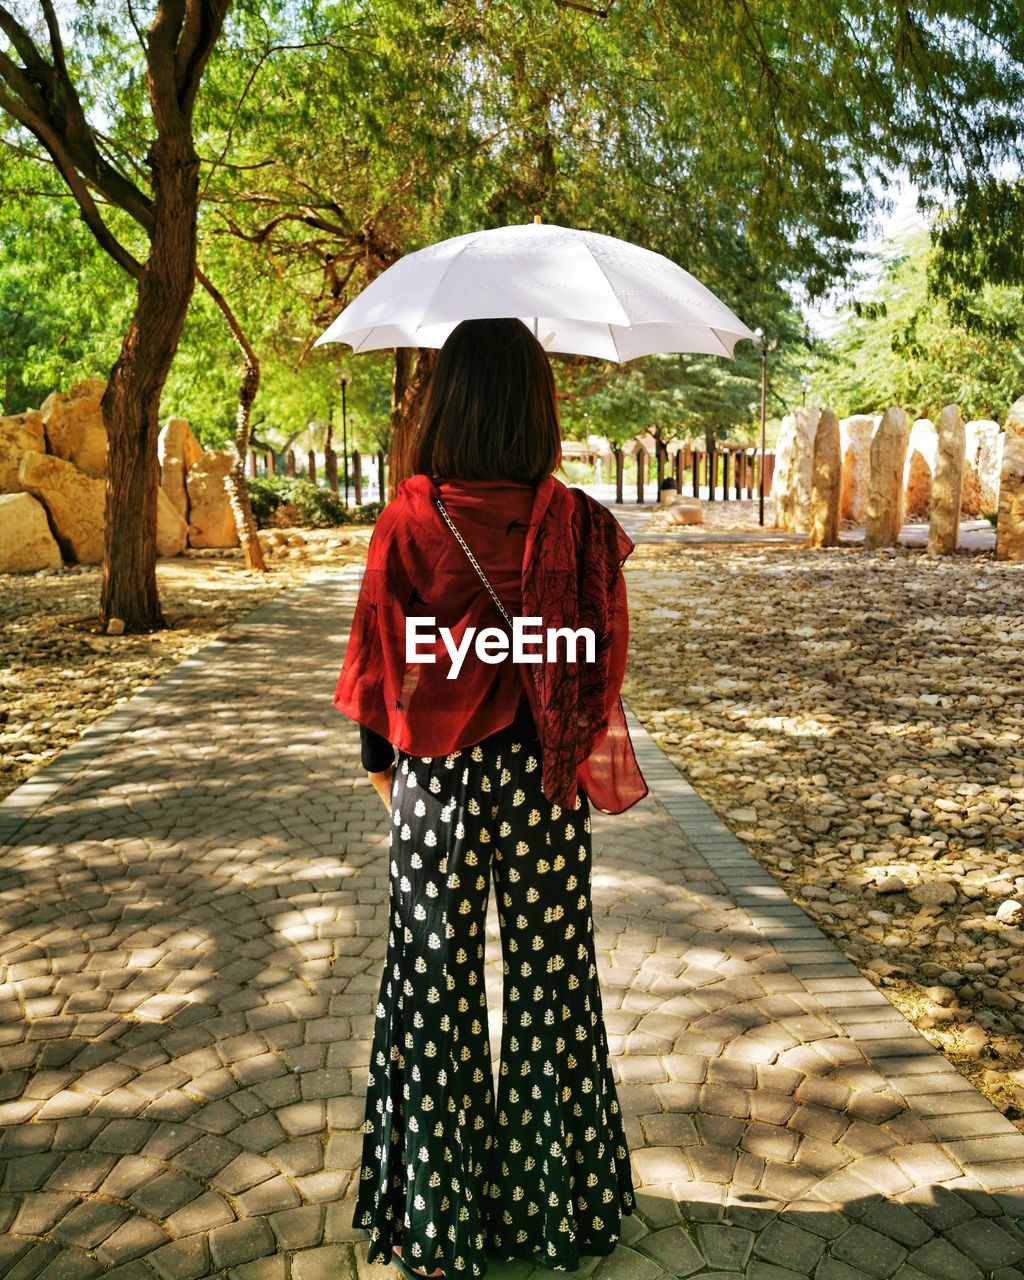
[(448, 1172)]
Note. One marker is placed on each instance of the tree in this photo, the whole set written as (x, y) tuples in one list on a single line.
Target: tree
[(907, 345), (746, 142), (40, 89)]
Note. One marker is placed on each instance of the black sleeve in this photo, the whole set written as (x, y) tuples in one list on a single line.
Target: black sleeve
[(377, 752)]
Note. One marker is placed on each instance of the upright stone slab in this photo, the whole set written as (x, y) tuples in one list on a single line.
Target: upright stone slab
[(855, 445), (791, 479), (947, 482), (171, 527), (210, 518), (1010, 525), (980, 490), (826, 483), (177, 449), (20, 433), (917, 471), (885, 486)]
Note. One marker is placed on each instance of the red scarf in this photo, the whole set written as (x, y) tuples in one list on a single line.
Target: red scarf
[(549, 552)]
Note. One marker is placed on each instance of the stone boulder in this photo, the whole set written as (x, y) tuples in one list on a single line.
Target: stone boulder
[(855, 444), (74, 428), (885, 487), (791, 479), (917, 470), (944, 524), (171, 527), (21, 433), (26, 543), (76, 504), (983, 447), (211, 522), (684, 510), (1010, 526), (177, 449), (826, 483)]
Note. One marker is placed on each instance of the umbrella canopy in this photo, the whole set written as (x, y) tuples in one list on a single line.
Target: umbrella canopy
[(579, 291)]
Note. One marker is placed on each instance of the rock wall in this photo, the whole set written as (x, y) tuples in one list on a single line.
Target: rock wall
[(19, 434), (53, 460), (74, 427), (26, 543), (75, 502)]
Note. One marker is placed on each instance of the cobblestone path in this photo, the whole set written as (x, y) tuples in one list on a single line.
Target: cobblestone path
[(193, 908)]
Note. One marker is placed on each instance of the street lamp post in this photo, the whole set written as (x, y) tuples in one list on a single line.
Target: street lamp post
[(805, 386), (764, 345)]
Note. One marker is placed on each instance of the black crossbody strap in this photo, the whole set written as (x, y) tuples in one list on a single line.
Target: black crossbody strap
[(473, 561)]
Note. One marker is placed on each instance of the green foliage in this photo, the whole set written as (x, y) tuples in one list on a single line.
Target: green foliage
[(309, 505), (910, 347), (749, 143), (63, 304)]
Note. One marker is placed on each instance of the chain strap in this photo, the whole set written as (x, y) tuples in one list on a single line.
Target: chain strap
[(473, 561)]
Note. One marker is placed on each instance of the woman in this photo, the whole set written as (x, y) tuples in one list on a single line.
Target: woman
[(498, 763)]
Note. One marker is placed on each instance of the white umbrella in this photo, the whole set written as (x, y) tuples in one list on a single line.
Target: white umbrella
[(579, 291)]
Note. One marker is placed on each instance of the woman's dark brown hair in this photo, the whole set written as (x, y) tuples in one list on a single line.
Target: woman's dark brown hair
[(490, 412)]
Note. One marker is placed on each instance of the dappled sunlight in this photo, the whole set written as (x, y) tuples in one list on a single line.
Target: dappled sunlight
[(857, 721)]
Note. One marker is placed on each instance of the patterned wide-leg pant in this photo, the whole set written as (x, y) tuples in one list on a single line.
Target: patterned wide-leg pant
[(544, 1174)]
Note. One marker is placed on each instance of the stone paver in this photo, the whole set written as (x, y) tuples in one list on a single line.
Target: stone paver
[(194, 902)]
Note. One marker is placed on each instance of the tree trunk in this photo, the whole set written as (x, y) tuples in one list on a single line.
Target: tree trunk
[(234, 481), (131, 402), (407, 396)]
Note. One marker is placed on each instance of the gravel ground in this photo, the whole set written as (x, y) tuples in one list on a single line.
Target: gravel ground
[(857, 719)]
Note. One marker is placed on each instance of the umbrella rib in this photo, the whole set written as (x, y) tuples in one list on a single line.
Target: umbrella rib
[(470, 241), (718, 337), (611, 287)]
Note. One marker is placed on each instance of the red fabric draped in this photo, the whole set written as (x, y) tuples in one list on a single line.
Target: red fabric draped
[(550, 552)]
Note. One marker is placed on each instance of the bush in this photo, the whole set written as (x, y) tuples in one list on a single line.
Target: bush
[(576, 471), (285, 501), (992, 517)]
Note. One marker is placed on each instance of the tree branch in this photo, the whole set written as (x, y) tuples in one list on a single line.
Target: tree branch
[(583, 8), (71, 175), (42, 98), (200, 28)]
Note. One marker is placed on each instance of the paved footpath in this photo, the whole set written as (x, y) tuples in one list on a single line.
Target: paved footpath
[(193, 906)]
